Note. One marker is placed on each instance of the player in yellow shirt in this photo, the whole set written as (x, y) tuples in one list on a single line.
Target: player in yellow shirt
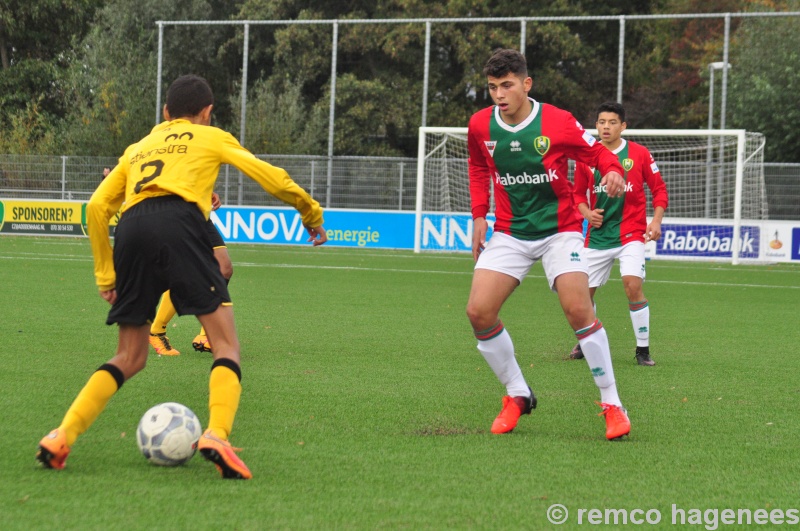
[(164, 184), (166, 310)]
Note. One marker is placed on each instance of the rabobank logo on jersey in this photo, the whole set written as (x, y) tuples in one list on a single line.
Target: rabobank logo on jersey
[(707, 241), (597, 189), (525, 178)]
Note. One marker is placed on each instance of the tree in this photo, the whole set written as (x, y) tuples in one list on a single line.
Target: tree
[(380, 67), (79, 76), (279, 123), (114, 76), (41, 30), (764, 83), (35, 44), (692, 44)]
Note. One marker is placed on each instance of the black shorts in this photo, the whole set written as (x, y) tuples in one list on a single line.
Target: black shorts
[(214, 235), (163, 244)]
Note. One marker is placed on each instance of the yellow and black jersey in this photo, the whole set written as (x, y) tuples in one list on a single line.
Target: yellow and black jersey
[(180, 158)]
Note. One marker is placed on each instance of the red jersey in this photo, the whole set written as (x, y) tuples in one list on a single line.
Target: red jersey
[(624, 218), (528, 163)]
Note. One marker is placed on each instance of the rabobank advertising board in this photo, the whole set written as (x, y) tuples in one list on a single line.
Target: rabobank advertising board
[(707, 241)]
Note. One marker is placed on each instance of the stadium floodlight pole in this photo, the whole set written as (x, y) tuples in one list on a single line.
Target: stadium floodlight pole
[(245, 57), (621, 61), (718, 65), (332, 111), (243, 123), (725, 67), (160, 65)]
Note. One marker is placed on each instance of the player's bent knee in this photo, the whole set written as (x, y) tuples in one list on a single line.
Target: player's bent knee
[(479, 318), (579, 317)]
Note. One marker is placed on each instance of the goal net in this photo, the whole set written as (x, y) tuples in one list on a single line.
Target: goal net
[(715, 181)]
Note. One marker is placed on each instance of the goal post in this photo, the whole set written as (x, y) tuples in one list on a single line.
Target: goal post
[(715, 180), (442, 151)]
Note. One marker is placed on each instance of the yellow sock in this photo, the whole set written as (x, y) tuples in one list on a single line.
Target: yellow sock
[(91, 401), (224, 390), (166, 311)]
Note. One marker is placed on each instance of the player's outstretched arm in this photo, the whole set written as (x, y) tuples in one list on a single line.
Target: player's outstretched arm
[(317, 235)]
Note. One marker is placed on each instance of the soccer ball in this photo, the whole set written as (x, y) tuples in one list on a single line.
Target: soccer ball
[(168, 433)]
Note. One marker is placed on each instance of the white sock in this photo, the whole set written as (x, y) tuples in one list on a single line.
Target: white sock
[(499, 354), (640, 318), (594, 343)]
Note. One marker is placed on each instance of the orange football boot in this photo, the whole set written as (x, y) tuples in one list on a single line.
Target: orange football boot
[(513, 408), (53, 450), (617, 423), (224, 457)]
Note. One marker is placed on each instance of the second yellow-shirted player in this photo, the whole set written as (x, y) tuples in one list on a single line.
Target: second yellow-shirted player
[(166, 310)]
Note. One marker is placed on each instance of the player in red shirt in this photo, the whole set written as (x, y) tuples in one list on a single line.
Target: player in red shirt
[(618, 227), (522, 147)]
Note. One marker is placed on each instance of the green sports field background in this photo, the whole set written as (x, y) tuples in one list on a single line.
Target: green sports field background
[(367, 406)]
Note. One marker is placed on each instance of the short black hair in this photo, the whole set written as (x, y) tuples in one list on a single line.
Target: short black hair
[(504, 61), (612, 106), (188, 95)]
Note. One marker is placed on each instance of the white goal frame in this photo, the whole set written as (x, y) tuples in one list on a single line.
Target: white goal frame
[(740, 136)]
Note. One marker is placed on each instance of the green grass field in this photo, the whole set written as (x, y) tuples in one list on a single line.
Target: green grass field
[(366, 404)]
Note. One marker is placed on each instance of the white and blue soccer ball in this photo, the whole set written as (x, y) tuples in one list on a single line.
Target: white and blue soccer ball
[(168, 433)]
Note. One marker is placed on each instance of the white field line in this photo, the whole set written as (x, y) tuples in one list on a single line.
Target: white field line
[(388, 253), (652, 264), (395, 270)]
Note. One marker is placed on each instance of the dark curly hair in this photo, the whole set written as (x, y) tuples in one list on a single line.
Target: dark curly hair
[(504, 61)]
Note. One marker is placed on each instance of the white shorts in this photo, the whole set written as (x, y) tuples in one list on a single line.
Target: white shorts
[(631, 262), (560, 253)]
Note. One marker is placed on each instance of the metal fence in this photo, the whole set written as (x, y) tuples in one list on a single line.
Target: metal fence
[(354, 182), (429, 49), (381, 183), (783, 190), (384, 183)]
